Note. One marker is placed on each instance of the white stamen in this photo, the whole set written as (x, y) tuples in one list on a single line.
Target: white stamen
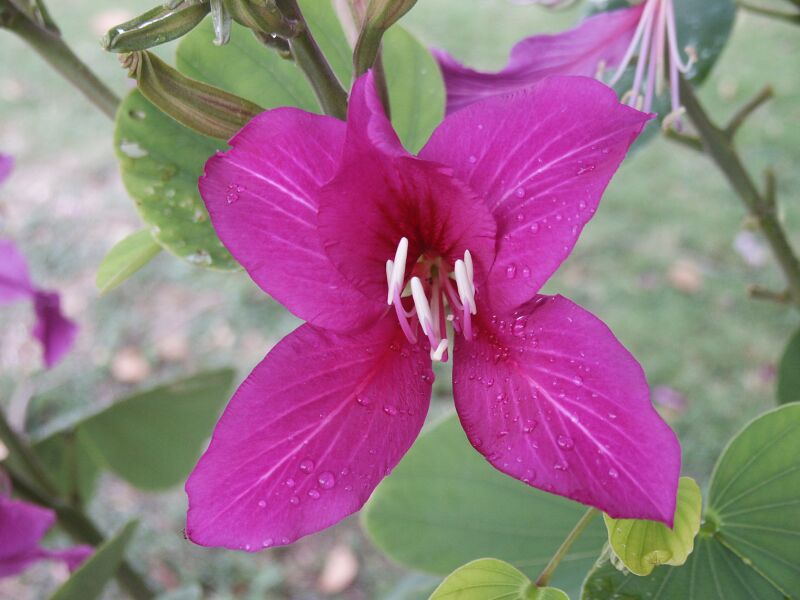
[(389, 269), (398, 274), (466, 291), (440, 350), (470, 270), (421, 303)]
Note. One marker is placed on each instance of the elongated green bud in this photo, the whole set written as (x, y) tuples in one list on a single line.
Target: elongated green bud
[(262, 16), (380, 15), (154, 27), (197, 105)]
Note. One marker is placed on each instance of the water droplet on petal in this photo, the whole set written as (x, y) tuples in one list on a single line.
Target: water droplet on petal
[(290, 483), (362, 400), (520, 193), (511, 271), (613, 473), (307, 466), (313, 494), (294, 500), (612, 416), (565, 442), (326, 480), (390, 410), (472, 159), (267, 543), (262, 504), (534, 227)]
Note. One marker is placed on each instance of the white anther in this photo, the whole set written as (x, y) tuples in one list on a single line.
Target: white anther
[(470, 270), (397, 275), (466, 291), (440, 350), (422, 306)]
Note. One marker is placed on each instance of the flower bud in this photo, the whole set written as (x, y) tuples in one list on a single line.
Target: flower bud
[(197, 105), (261, 16), (156, 26), (382, 14)]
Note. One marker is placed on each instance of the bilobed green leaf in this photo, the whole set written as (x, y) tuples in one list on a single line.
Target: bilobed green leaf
[(70, 464), (444, 506), (125, 258), (416, 88), (153, 439), (492, 579), (88, 581), (643, 545), (789, 372), (748, 544)]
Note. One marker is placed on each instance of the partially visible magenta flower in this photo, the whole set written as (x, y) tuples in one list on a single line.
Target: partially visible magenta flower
[(6, 166), (22, 528), (609, 40), (382, 252), (54, 331)]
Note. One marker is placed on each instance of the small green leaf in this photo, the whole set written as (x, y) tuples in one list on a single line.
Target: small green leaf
[(490, 579), (747, 547), (444, 506), (153, 439), (416, 88), (125, 258), (88, 581), (789, 372), (643, 545)]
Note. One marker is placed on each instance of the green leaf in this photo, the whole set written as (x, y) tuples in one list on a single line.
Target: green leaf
[(416, 88), (444, 506), (153, 439), (125, 258), (643, 545), (789, 372), (748, 544), (712, 573), (70, 464), (755, 497), (491, 579), (88, 581)]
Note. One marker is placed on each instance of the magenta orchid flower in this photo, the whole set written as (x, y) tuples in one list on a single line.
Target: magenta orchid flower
[(22, 527), (381, 251), (611, 40), (55, 332)]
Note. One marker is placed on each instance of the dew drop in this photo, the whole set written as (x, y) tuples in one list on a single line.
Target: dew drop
[(612, 416), (390, 410), (307, 466), (511, 271), (561, 466), (565, 442), (267, 543), (534, 227), (362, 400), (326, 480), (520, 193), (290, 483), (473, 159), (262, 504), (294, 500), (247, 547), (613, 473), (312, 493), (577, 380)]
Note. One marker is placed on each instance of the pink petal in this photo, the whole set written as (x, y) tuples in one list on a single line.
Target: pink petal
[(6, 166), (262, 198), (22, 527), (377, 200), (73, 556), (55, 331), (367, 125), (550, 397), (541, 159), (308, 436), (15, 282), (598, 40)]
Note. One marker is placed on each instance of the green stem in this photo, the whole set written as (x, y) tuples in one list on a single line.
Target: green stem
[(308, 56), (74, 521), (53, 49), (576, 532), (720, 148)]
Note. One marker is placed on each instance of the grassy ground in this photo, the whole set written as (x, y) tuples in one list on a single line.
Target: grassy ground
[(659, 263)]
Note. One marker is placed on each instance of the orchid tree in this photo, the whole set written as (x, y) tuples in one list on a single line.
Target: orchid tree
[(409, 209)]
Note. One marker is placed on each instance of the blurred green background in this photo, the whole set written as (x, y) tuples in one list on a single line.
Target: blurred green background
[(665, 263)]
